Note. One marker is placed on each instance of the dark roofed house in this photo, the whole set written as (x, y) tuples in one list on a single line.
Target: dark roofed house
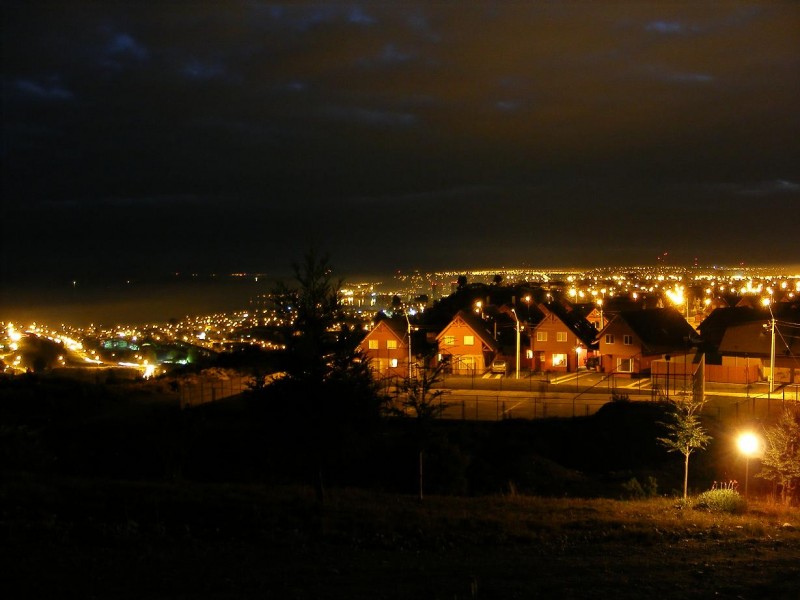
[(737, 343), (748, 346), (562, 339), (634, 339), (713, 328)]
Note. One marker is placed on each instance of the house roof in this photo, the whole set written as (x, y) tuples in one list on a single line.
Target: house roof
[(475, 324), (713, 327), (398, 327), (745, 331), (755, 339), (658, 329), (573, 319)]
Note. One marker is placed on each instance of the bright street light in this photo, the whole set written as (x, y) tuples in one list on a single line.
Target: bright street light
[(749, 445)]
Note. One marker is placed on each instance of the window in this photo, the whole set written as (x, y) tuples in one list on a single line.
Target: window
[(625, 365), (528, 353), (561, 336), (449, 340), (391, 344), (393, 363), (609, 338), (541, 336), (627, 340), (559, 360), (469, 340), (373, 344)]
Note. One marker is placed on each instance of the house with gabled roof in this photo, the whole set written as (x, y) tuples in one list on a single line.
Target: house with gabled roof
[(750, 344), (562, 340), (465, 345), (737, 341), (593, 313), (386, 347), (634, 339)]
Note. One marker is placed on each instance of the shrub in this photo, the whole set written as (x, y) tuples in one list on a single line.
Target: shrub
[(721, 500), (651, 487), (633, 489), (636, 491)]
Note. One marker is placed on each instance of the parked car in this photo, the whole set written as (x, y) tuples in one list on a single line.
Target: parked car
[(499, 365)]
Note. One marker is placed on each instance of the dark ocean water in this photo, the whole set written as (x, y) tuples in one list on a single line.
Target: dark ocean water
[(134, 302)]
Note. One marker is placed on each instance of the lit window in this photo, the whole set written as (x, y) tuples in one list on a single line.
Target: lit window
[(627, 340), (561, 336), (449, 340), (373, 344), (529, 354), (391, 344), (609, 338), (393, 363), (559, 360), (469, 340), (625, 365), (541, 336)]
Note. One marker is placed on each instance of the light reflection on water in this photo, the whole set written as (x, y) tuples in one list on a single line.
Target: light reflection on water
[(130, 303)]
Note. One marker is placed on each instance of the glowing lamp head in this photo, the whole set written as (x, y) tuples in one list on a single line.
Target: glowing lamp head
[(748, 444)]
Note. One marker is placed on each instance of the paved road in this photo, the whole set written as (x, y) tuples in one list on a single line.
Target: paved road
[(496, 397)]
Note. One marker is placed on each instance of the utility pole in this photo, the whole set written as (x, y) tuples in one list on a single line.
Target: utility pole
[(409, 347), (772, 355)]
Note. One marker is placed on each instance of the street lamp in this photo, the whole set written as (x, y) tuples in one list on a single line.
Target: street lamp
[(514, 312), (600, 304), (749, 445), (768, 303), (413, 312)]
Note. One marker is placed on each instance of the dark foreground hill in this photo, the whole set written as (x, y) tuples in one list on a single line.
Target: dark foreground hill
[(106, 539), (115, 492), (138, 432)]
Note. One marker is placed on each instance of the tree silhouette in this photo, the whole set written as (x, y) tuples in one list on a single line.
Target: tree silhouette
[(327, 378), (419, 400)]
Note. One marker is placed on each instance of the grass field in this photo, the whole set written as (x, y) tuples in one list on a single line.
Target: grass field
[(88, 538)]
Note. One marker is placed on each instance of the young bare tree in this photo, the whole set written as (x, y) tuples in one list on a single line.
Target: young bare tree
[(422, 401), (781, 461), (685, 432)]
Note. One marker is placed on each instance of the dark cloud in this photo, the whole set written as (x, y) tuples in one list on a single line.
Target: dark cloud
[(235, 134)]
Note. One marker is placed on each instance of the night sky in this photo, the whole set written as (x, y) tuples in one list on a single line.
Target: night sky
[(143, 138)]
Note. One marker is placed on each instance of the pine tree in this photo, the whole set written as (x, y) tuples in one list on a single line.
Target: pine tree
[(329, 388)]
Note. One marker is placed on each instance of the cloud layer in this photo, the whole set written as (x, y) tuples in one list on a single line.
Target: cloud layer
[(634, 127)]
